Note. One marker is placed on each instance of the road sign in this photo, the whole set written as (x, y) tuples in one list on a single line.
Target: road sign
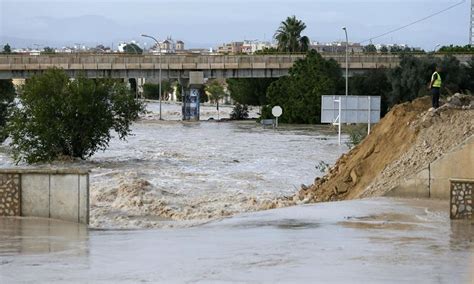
[(277, 111)]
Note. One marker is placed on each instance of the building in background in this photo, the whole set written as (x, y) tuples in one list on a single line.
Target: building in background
[(336, 47), (233, 47), (179, 45), (246, 46)]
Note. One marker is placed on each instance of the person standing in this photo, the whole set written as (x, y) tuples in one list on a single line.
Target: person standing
[(435, 87)]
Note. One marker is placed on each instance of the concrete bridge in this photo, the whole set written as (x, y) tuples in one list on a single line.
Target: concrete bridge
[(178, 66)]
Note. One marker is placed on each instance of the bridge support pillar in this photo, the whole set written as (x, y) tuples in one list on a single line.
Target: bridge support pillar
[(191, 96)]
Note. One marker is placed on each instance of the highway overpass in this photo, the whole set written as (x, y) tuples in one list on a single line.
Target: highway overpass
[(178, 66)]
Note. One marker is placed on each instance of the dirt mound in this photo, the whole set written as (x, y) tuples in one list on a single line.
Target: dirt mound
[(406, 140)]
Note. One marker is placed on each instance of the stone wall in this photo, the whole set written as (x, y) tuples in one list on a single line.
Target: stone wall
[(47, 193), (461, 199), (10, 195)]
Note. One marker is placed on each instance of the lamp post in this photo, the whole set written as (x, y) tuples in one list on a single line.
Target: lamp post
[(436, 47), (347, 61), (159, 60)]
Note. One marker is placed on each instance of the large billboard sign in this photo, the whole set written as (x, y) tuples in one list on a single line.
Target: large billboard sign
[(354, 109)]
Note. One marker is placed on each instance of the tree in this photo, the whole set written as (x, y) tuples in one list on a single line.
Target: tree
[(456, 48), (384, 49), (372, 83), (151, 90), (289, 36), (395, 49), (49, 50), (299, 94), (370, 48), (267, 50), (7, 95), (132, 48), (203, 97), (410, 79), (56, 116), (215, 91), (249, 91), (7, 48), (470, 75)]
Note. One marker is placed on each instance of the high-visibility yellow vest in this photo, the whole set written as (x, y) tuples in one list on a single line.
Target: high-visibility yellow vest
[(437, 82)]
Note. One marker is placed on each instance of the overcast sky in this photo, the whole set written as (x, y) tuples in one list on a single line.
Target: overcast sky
[(207, 23)]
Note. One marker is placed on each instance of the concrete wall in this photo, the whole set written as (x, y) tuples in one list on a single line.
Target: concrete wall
[(434, 181), (458, 164), (57, 194)]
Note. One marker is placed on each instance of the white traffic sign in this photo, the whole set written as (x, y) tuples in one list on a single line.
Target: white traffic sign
[(277, 111)]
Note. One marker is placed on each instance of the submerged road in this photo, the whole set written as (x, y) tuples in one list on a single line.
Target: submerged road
[(364, 241)]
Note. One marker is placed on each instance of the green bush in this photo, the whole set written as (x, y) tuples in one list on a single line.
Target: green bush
[(57, 116), (357, 133), (239, 112)]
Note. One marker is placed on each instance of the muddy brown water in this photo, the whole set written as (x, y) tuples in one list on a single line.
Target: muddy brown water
[(321, 243)]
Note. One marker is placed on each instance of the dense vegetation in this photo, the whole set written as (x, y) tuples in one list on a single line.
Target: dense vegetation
[(249, 91), (410, 79), (132, 48), (299, 94), (457, 48), (152, 91), (7, 95), (56, 116)]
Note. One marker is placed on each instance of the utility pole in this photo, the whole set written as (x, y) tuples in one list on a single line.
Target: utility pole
[(159, 59), (347, 61), (471, 31)]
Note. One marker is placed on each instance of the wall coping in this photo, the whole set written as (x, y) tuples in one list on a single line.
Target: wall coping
[(461, 180), (51, 171)]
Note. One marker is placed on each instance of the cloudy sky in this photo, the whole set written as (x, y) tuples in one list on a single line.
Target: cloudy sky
[(207, 23)]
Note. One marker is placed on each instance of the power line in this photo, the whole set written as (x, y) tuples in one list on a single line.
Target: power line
[(415, 22)]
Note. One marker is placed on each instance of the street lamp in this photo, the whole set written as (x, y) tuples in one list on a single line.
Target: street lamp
[(436, 47), (159, 60), (347, 61)]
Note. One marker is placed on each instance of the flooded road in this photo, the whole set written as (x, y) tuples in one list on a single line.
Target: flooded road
[(175, 174), (361, 241)]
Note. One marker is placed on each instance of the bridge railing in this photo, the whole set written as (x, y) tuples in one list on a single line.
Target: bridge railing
[(282, 61)]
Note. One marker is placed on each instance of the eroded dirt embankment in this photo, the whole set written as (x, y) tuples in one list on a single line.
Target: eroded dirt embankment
[(405, 141)]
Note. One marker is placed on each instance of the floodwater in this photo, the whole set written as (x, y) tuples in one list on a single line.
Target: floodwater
[(176, 174), (201, 183), (361, 241)]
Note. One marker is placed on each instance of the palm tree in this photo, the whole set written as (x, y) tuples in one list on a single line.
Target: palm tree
[(289, 36)]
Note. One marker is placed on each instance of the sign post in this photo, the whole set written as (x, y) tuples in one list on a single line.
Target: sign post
[(350, 109), (277, 111)]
